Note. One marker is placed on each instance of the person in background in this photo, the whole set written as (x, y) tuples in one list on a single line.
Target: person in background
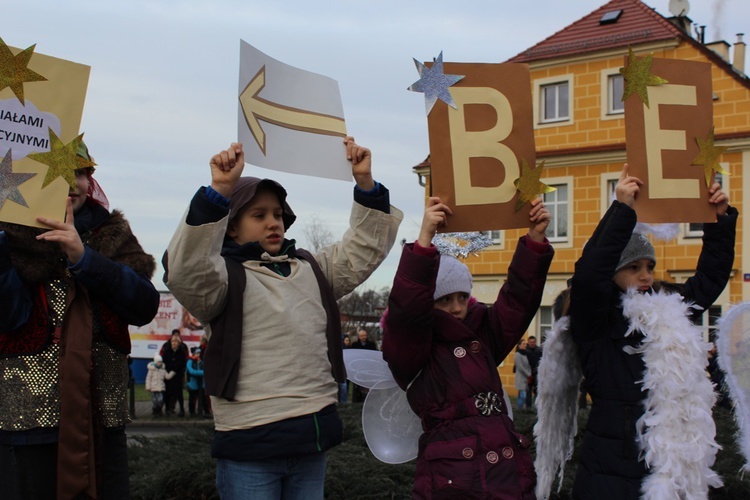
[(68, 292), (522, 373), (175, 361), (344, 386), (358, 392), (195, 384), (156, 378), (534, 355)]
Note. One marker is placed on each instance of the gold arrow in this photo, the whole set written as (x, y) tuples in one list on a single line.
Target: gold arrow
[(256, 108)]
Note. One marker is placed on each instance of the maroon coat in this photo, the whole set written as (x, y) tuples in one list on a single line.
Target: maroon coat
[(461, 452)]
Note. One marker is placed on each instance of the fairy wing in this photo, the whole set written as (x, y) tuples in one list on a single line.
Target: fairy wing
[(733, 348), (390, 426)]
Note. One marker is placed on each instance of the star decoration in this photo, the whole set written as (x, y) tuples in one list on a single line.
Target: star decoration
[(62, 160), (461, 244), (9, 182), (709, 156), (434, 83), (14, 72), (638, 76), (529, 186)]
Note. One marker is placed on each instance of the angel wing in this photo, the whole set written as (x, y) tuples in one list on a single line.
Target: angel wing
[(733, 348), (390, 427)]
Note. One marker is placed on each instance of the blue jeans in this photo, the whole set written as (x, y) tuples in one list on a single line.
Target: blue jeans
[(298, 478), (521, 399), (343, 392)]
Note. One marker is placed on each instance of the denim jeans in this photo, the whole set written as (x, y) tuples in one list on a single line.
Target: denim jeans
[(521, 400), (298, 478)]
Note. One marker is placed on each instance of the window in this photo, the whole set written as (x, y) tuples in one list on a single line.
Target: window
[(557, 204), (615, 86), (708, 323), (497, 236), (695, 229), (554, 102), (546, 321)]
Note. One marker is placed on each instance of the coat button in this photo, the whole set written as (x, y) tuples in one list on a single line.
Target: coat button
[(459, 352), (468, 453), (492, 457), (475, 346), (508, 452)]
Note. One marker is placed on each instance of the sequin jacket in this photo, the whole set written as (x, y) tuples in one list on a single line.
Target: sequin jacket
[(448, 367), (34, 281)]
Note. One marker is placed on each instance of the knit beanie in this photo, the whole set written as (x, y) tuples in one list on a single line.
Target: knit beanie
[(453, 276), (157, 358), (637, 248)]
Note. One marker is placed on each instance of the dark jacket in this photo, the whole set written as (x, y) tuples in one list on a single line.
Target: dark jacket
[(609, 466), (450, 362)]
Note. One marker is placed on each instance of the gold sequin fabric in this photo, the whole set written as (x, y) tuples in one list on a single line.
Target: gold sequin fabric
[(29, 385)]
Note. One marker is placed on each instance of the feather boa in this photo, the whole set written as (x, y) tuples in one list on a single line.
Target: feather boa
[(559, 376), (676, 433)]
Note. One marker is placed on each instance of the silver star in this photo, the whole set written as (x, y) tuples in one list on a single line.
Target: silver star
[(434, 83), (9, 182)]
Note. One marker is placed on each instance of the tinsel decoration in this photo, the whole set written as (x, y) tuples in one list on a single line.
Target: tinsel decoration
[(461, 244)]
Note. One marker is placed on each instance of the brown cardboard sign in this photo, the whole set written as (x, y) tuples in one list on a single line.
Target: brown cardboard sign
[(662, 142), (477, 148)]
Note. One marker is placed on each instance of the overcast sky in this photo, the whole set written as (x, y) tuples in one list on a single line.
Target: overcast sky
[(162, 95)]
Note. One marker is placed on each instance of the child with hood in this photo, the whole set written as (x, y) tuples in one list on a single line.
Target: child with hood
[(156, 383), (443, 350), (274, 356), (195, 383)]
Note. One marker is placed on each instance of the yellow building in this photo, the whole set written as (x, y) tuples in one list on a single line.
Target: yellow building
[(580, 134)]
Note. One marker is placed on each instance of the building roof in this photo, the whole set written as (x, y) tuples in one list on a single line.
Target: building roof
[(637, 23)]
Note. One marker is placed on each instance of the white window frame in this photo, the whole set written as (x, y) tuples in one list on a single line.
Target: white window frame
[(543, 326), (606, 197), (607, 97), (498, 238), (693, 236), (539, 121), (564, 241)]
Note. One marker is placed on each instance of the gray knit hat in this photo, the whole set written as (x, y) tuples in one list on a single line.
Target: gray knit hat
[(637, 248), (453, 276)]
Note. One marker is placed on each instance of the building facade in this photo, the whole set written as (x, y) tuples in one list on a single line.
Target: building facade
[(580, 135)]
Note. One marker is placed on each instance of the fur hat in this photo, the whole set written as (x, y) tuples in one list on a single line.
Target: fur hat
[(637, 248), (157, 358), (453, 276)]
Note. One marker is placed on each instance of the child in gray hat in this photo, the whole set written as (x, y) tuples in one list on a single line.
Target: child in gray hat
[(643, 360)]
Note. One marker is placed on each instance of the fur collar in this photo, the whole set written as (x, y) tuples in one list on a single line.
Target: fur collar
[(39, 261)]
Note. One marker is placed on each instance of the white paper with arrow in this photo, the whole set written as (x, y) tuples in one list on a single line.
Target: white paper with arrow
[(290, 119)]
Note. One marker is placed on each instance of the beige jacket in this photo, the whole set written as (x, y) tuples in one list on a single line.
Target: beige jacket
[(284, 367)]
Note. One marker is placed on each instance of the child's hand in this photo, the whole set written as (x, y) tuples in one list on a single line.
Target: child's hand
[(226, 168), (435, 215), (540, 219), (361, 159), (627, 188), (718, 198), (65, 234)]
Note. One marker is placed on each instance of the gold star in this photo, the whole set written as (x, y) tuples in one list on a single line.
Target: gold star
[(638, 76), (529, 186), (709, 156), (14, 71), (62, 160)]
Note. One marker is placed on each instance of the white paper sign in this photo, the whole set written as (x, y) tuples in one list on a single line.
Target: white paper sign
[(290, 120)]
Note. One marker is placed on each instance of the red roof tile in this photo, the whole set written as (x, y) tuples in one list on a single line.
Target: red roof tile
[(637, 24)]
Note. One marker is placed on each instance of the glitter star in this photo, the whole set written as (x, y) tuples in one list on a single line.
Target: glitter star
[(434, 83), (62, 160), (14, 71), (529, 186), (638, 76), (709, 157), (9, 182)]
